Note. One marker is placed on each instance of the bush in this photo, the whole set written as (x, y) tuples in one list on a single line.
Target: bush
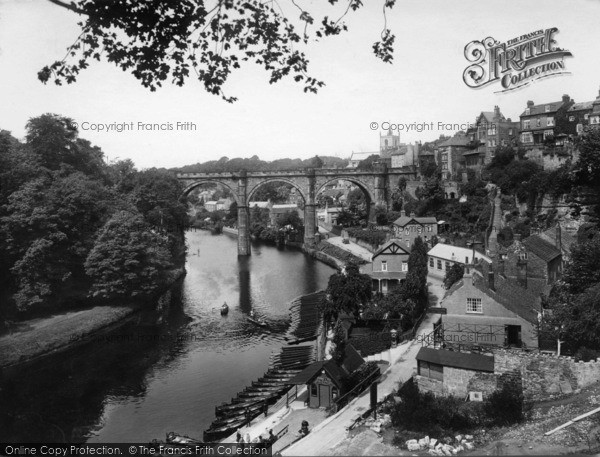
[(506, 406), (585, 354)]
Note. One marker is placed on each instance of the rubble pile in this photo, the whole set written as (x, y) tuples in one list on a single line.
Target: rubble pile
[(447, 446), (377, 425)]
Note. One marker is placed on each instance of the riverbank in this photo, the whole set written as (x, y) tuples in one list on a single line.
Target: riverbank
[(36, 338)]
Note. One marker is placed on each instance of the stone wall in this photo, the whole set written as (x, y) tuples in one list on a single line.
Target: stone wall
[(545, 375), (542, 376)]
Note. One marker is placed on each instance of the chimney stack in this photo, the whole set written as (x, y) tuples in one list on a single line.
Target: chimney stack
[(491, 280), (402, 213), (530, 104), (496, 111), (412, 214), (566, 98)]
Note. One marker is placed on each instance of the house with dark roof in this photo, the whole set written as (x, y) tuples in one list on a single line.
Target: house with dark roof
[(326, 380), (389, 265), (408, 228), (486, 309), (451, 152), (539, 122), (491, 130), (534, 263), (562, 239)]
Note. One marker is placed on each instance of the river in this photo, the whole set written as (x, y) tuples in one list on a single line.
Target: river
[(166, 372)]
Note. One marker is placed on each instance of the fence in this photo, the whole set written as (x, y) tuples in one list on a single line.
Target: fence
[(358, 389)]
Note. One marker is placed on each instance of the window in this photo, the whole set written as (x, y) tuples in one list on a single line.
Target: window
[(548, 133), (595, 120), (510, 132), (550, 122), (586, 116), (384, 265), (527, 111), (547, 108), (523, 255), (404, 266), (526, 137), (439, 264), (526, 124), (474, 305), (447, 265), (431, 370), (334, 392), (313, 390), (579, 128), (431, 262), (571, 118)]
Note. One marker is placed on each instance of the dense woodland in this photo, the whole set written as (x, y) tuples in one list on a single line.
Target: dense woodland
[(77, 231)]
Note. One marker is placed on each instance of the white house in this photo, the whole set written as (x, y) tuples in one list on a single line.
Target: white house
[(442, 256)]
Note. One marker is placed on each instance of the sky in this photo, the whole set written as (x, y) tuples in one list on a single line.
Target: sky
[(424, 84)]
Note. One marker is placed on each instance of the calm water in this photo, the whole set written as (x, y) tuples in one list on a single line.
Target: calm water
[(166, 372)]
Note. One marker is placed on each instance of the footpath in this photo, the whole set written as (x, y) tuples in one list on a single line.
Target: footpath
[(332, 433)]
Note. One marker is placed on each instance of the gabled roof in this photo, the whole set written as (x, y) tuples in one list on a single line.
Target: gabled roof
[(487, 115), (456, 140), (394, 246), (464, 360), (541, 109), (507, 293), (405, 220), (337, 373), (566, 238), (541, 248), (581, 106)]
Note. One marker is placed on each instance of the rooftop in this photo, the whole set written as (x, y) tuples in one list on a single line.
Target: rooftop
[(465, 360), (404, 219), (456, 253), (541, 248)]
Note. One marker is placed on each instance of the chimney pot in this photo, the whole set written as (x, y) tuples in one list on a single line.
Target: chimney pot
[(530, 103), (402, 213), (566, 98)]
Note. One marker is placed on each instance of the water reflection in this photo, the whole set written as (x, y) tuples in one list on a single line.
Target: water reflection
[(168, 372)]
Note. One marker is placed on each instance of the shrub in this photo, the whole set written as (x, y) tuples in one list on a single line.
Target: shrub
[(506, 405), (585, 354)]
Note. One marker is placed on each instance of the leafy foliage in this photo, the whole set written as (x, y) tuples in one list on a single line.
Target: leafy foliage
[(161, 40), (346, 291), (56, 196), (128, 258), (453, 275)]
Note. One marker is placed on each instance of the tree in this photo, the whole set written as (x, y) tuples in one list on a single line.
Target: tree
[(587, 170), (368, 164), (161, 40), (316, 162), (338, 350), (453, 275), (347, 291), (128, 258), (583, 271)]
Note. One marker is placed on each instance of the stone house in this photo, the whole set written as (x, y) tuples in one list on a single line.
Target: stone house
[(535, 263), (484, 309), (451, 152), (408, 228), (277, 211), (389, 266)]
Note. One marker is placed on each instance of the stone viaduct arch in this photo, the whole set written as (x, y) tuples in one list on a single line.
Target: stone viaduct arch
[(376, 184)]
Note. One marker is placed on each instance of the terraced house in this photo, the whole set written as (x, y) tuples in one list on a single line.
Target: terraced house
[(545, 122)]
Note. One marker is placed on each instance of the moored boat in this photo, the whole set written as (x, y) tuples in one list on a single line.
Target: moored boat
[(176, 439), (224, 309)]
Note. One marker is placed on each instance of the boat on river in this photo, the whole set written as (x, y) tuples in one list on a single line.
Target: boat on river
[(259, 322), (224, 309), (175, 439)]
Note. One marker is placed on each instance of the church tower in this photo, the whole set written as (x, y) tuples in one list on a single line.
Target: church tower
[(389, 141)]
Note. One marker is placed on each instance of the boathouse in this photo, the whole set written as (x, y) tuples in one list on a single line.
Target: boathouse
[(326, 380)]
